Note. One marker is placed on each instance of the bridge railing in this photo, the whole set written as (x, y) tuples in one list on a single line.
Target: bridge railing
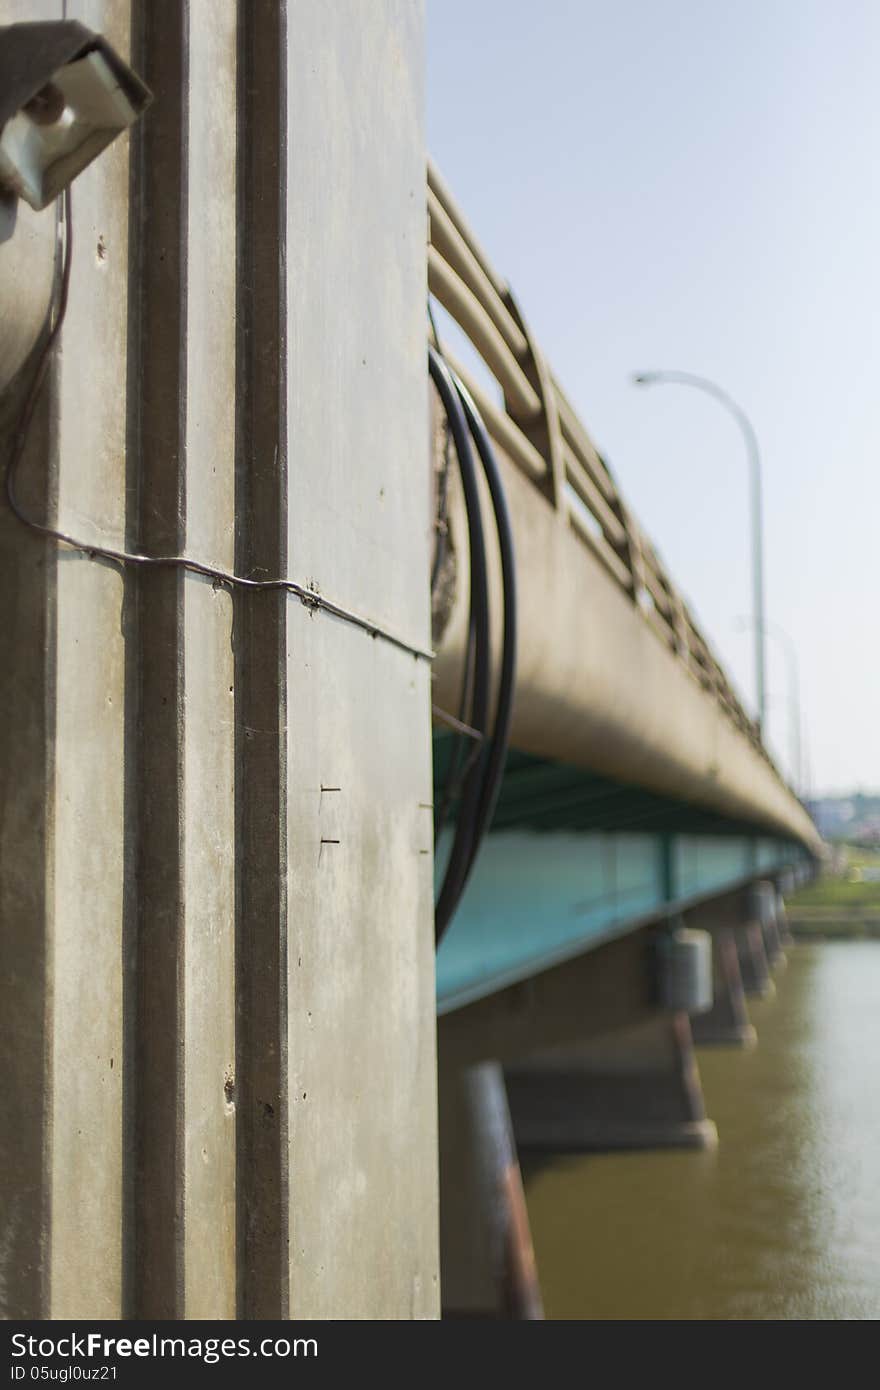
[(542, 435)]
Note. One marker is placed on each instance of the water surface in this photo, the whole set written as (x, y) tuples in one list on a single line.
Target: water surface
[(783, 1221)]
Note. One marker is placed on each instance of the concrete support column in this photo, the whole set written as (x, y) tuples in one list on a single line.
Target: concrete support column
[(486, 1257), (765, 910), (361, 1145), (753, 963), (217, 1011), (632, 1089), (181, 781), (727, 1022), (786, 939), (62, 889)]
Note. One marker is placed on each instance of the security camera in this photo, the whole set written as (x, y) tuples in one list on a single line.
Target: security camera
[(64, 96)]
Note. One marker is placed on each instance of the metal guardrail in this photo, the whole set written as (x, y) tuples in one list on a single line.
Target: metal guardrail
[(540, 432)]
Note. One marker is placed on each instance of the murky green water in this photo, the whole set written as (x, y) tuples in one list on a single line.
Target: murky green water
[(783, 1221)]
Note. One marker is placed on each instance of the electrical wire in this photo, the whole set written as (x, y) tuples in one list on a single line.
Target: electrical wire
[(497, 756), (469, 805), (225, 578), (485, 770), (444, 717)]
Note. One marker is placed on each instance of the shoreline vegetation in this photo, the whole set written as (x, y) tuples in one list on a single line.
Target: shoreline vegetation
[(842, 905)]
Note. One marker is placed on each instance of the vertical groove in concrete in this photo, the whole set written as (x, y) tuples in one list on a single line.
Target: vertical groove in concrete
[(158, 1236), (260, 660)]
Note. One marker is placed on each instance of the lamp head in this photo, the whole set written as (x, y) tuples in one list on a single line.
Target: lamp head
[(64, 96)]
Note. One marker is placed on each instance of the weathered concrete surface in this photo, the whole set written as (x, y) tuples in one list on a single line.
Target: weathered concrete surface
[(87, 857), (27, 673), (362, 1121), (27, 239), (218, 1031), (209, 1207)]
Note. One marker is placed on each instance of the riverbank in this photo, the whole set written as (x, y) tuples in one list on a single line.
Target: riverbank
[(844, 903), (834, 923)]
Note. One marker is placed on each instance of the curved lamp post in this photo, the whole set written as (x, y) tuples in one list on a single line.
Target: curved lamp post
[(786, 641), (704, 384)]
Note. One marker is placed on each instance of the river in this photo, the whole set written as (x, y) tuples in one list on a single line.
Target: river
[(783, 1219)]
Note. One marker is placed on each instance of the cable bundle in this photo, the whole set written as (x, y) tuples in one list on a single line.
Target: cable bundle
[(483, 772)]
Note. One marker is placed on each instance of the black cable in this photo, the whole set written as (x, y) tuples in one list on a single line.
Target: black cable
[(472, 790), (494, 770), (309, 598)]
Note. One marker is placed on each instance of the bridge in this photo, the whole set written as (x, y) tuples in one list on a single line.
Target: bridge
[(638, 812), (259, 904)]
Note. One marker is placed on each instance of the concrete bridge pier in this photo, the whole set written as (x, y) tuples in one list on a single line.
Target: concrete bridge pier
[(486, 1258), (637, 1088), (785, 885), (217, 1007), (727, 1023), (753, 963), (765, 909), (786, 939)]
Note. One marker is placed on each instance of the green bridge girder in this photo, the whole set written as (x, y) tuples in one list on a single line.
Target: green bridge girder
[(574, 859)]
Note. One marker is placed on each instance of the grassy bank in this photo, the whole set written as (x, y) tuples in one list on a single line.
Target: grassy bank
[(844, 903), (854, 881)]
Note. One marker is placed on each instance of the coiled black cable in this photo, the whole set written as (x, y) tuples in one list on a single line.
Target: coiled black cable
[(456, 868), (482, 779), (497, 755)]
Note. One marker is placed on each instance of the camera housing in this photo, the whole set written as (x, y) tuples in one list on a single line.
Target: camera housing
[(65, 94)]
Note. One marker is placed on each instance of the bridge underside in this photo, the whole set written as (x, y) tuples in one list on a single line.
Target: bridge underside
[(553, 1036), (575, 859)]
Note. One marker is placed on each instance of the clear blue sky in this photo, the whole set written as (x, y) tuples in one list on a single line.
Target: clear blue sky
[(695, 186)]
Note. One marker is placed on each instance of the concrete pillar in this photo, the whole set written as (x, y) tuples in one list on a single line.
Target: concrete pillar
[(62, 655), (786, 939), (727, 1022), (361, 1022), (486, 1256), (753, 963), (216, 868), (181, 476), (635, 1088), (764, 909)]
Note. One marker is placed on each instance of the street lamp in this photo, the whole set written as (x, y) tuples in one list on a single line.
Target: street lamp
[(703, 384), (794, 692)]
